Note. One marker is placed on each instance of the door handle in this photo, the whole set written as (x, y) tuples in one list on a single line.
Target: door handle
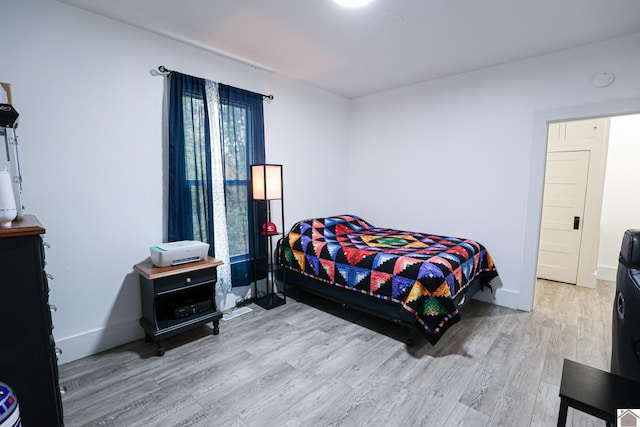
[(576, 222)]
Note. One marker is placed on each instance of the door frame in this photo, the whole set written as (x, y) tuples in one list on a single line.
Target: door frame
[(538, 153)]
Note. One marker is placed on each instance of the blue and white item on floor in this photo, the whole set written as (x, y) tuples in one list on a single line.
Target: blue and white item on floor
[(9, 411)]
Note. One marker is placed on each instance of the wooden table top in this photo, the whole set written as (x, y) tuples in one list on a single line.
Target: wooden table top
[(26, 226), (150, 271)]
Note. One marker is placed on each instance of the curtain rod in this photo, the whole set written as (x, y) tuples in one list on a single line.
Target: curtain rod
[(165, 70)]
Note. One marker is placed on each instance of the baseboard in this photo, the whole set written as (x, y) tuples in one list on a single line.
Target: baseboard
[(501, 297), (607, 273), (94, 341), (97, 340)]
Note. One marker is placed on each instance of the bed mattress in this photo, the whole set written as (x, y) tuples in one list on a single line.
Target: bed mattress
[(423, 273)]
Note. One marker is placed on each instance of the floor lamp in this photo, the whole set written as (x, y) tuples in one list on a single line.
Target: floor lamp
[(266, 185)]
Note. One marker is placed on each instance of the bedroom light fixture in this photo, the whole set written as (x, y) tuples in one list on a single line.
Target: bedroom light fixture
[(353, 3), (267, 182), (266, 185)]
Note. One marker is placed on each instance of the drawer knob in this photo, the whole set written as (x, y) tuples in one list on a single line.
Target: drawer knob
[(46, 245), (58, 352), (53, 308), (49, 277), (188, 279), (63, 389)]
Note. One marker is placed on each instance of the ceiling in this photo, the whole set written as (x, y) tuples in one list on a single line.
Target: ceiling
[(384, 45)]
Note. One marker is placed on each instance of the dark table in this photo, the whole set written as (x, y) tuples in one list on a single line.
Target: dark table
[(595, 392)]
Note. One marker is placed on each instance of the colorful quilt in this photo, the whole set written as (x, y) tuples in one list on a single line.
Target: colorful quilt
[(422, 272)]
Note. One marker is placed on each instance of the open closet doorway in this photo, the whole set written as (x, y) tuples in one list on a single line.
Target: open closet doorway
[(572, 201), (586, 203)]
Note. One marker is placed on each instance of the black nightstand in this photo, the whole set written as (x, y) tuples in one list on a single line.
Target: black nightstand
[(177, 298)]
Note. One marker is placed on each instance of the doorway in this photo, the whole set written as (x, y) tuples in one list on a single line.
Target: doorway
[(537, 156), (572, 201)]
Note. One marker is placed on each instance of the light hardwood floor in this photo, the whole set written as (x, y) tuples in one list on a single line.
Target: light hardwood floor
[(312, 363)]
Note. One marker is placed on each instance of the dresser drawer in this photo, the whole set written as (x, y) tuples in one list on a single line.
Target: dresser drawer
[(180, 281)]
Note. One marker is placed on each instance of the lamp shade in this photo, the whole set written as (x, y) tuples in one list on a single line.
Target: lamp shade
[(266, 182)]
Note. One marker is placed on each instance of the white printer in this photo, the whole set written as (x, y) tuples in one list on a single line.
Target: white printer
[(175, 253)]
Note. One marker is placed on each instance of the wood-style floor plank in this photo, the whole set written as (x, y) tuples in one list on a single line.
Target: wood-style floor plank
[(314, 363)]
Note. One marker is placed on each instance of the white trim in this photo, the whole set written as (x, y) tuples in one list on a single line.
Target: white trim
[(96, 340), (607, 273), (502, 297)]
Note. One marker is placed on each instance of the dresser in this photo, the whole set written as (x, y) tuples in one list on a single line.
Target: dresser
[(28, 355)]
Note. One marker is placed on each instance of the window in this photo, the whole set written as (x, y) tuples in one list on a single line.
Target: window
[(242, 135), (236, 181), (196, 163), (215, 133)]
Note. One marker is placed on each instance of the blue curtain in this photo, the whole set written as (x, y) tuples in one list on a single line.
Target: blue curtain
[(190, 215), (189, 198), (242, 127)]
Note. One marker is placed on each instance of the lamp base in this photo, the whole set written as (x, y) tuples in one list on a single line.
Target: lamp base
[(270, 301)]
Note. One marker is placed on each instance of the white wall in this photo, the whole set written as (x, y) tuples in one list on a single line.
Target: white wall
[(464, 155), (620, 203), (91, 133)]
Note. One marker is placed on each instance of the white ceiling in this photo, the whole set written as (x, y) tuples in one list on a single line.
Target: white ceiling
[(384, 45)]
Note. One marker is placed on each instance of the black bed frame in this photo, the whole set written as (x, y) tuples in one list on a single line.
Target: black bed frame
[(378, 307)]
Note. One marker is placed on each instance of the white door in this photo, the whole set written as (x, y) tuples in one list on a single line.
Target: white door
[(562, 215)]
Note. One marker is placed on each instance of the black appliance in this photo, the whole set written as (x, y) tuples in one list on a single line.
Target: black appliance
[(625, 353), (8, 116), (185, 308)]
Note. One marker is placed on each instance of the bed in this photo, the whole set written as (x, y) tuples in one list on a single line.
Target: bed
[(417, 280)]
